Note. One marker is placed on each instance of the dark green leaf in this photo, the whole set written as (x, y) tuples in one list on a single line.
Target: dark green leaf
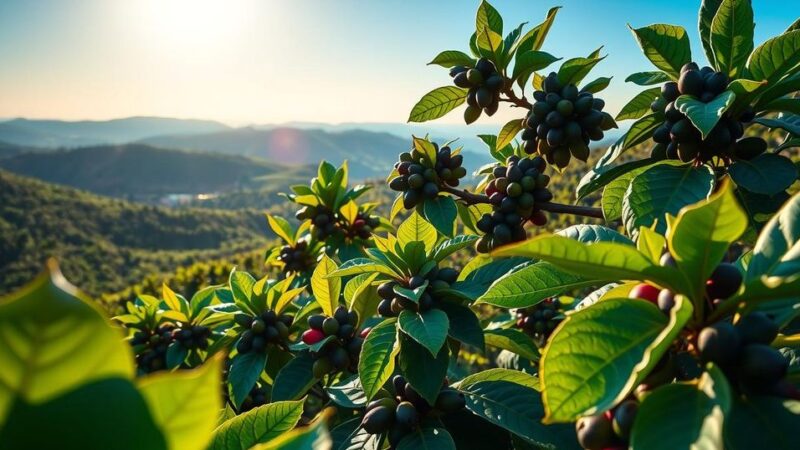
[(427, 439), (765, 174), (348, 393), (441, 212), (429, 328), (528, 62), (451, 58), (775, 58), (437, 103), (245, 370), (732, 36), (464, 325), (514, 341), (294, 379), (666, 46), (648, 78), (708, 9), (705, 116), (775, 252), (639, 105), (422, 370), (593, 233), (596, 85), (376, 362), (574, 70), (763, 422), (256, 426)]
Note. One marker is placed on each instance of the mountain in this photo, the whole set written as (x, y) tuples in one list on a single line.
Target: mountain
[(369, 154), (146, 173), (105, 244), (60, 133)]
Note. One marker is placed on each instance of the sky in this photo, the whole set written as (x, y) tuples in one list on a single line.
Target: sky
[(269, 61)]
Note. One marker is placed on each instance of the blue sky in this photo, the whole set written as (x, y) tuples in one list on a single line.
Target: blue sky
[(269, 61)]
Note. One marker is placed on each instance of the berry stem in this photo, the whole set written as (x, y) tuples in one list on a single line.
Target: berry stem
[(512, 98), (558, 208)]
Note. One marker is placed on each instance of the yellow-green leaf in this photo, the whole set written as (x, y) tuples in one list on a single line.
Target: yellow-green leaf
[(326, 290)]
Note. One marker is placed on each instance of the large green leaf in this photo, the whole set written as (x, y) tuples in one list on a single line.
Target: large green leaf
[(777, 250), (451, 58), (588, 234), (441, 212), (598, 354), (241, 284), (294, 379), (425, 372), (705, 116), (464, 324), (427, 438), (603, 259), (450, 246), (666, 46), (683, 416), (512, 340), (648, 78), (314, 436), (376, 362), (509, 399), (602, 175), (82, 419), (52, 340), (185, 404), (775, 58), (527, 63), (662, 190), (708, 9), (532, 284), (326, 289), (597, 85), (732, 36), (639, 105), (767, 173), (437, 103), (417, 229), (245, 371), (574, 70), (361, 266), (488, 28), (261, 424), (348, 393), (429, 328), (763, 422)]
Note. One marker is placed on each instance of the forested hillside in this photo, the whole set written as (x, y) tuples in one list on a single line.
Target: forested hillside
[(106, 244)]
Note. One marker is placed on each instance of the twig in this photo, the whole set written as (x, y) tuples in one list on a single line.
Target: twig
[(559, 208)]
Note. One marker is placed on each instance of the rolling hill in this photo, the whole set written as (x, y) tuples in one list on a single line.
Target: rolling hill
[(61, 133), (145, 173), (105, 244)]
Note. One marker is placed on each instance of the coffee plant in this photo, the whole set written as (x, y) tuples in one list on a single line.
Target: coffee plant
[(670, 322)]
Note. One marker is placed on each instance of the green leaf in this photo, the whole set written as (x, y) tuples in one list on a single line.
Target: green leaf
[(450, 246), (639, 105), (428, 439), (512, 340), (601, 175), (294, 379), (762, 422), (376, 362), (666, 46), (775, 58), (509, 132), (437, 103), (326, 289), (593, 233), (680, 416), (241, 284), (603, 259), (614, 193), (777, 250), (245, 371), (599, 354), (509, 399), (361, 266), (185, 404), (350, 436), (441, 212), (489, 28), (662, 190), (261, 424), (176, 354), (411, 294), (53, 341), (364, 300), (348, 393), (532, 284), (732, 36), (574, 70), (282, 228), (791, 126), (314, 436), (82, 419), (464, 325), (528, 62), (597, 85), (787, 105), (708, 9), (425, 372), (429, 328), (452, 58), (767, 173), (705, 116), (416, 229), (648, 78), (534, 39)]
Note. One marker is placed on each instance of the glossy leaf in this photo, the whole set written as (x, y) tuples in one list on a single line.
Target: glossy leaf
[(441, 212), (705, 116), (593, 233), (464, 325), (763, 422), (512, 340), (708, 9), (532, 284), (294, 379), (245, 371), (348, 393), (639, 105), (452, 58), (416, 229), (429, 328), (425, 372), (427, 438), (732, 36), (326, 289), (574, 70), (777, 250), (767, 173), (596, 85), (261, 424), (666, 46), (528, 62), (376, 362), (774, 58), (648, 78), (437, 103)]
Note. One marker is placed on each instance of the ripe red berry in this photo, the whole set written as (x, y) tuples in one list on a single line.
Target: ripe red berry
[(365, 332), (645, 291), (312, 336)]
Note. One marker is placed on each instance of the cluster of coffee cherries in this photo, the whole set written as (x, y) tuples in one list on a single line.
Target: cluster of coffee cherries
[(609, 430), (539, 321), (268, 328), (150, 347), (484, 83), (339, 353), (392, 303), (514, 190), (400, 415), (363, 226), (684, 141), (418, 180), (257, 396), (192, 337), (323, 220), (297, 258), (563, 121)]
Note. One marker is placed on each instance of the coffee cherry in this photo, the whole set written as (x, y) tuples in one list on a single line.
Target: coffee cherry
[(624, 415), (450, 401), (594, 432), (761, 365), (312, 336), (330, 326), (757, 328), (719, 343), (666, 300), (645, 291), (724, 281)]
